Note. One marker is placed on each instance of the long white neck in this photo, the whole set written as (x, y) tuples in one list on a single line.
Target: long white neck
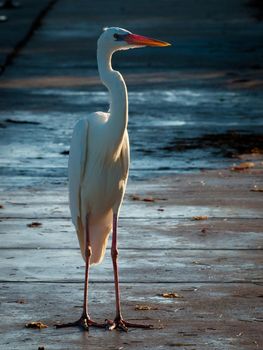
[(114, 82)]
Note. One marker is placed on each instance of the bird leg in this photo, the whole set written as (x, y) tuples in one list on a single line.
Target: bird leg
[(119, 322), (85, 321)]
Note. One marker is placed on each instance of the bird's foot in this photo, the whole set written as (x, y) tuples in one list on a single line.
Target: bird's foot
[(84, 323), (121, 324)]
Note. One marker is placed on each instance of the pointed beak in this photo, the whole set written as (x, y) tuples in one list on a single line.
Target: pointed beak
[(134, 39)]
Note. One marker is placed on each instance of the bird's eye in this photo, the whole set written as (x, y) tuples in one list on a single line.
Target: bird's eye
[(116, 36)]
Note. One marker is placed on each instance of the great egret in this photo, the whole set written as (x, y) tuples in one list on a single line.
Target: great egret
[(98, 169)]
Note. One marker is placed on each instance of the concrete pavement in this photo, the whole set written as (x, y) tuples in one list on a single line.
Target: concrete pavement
[(18, 25), (191, 223)]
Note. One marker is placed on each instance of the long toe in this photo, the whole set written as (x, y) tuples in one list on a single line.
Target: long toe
[(83, 323), (123, 325), (138, 325)]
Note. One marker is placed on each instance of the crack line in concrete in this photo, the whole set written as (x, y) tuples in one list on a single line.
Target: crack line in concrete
[(22, 43)]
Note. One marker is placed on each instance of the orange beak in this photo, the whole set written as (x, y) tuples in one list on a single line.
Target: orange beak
[(140, 40)]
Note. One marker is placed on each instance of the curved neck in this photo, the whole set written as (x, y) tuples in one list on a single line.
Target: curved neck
[(114, 82)]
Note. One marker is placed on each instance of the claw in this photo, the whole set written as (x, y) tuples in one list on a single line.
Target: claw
[(123, 325)]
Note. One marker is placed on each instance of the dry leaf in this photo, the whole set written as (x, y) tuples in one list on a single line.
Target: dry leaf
[(135, 198), (201, 217), (36, 325), (171, 295), (148, 199), (34, 224), (65, 153), (145, 307), (145, 199), (243, 166), (257, 150), (257, 189), (21, 301)]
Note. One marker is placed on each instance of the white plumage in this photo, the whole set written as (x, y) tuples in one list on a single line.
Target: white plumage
[(99, 151), (98, 170), (97, 180)]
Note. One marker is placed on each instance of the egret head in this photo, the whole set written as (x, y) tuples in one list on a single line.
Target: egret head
[(121, 39)]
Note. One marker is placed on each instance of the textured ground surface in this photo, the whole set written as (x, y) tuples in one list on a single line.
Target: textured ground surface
[(195, 113)]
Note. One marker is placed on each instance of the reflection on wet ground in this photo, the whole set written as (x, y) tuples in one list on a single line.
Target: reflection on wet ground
[(171, 129), (230, 144)]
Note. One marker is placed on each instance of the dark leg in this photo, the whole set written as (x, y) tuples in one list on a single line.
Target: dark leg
[(85, 321), (119, 322)]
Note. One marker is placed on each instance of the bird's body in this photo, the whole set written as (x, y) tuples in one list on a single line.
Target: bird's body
[(100, 164), (98, 169)]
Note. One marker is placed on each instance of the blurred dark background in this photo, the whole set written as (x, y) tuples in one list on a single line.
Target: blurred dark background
[(224, 34)]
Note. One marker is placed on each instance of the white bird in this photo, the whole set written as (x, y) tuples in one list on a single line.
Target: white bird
[(98, 169)]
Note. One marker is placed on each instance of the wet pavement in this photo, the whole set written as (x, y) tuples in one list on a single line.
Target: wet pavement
[(195, 112), (176, 105), (174, 130)]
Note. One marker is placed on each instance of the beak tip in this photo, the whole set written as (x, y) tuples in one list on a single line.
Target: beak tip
[(144, 41), (161, 43), (164, 44)]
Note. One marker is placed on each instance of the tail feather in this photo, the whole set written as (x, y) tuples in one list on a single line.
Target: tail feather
[(99, 231)]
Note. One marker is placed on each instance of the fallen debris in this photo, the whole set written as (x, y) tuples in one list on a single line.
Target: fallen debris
[(64, 153), (148, 199), (243, 166), (36, 325), (135, 197), (21, 301), (34, 224), (256, 189), (171, 295), (145, 307), (145, 199), (201, 217), (256, 150)]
